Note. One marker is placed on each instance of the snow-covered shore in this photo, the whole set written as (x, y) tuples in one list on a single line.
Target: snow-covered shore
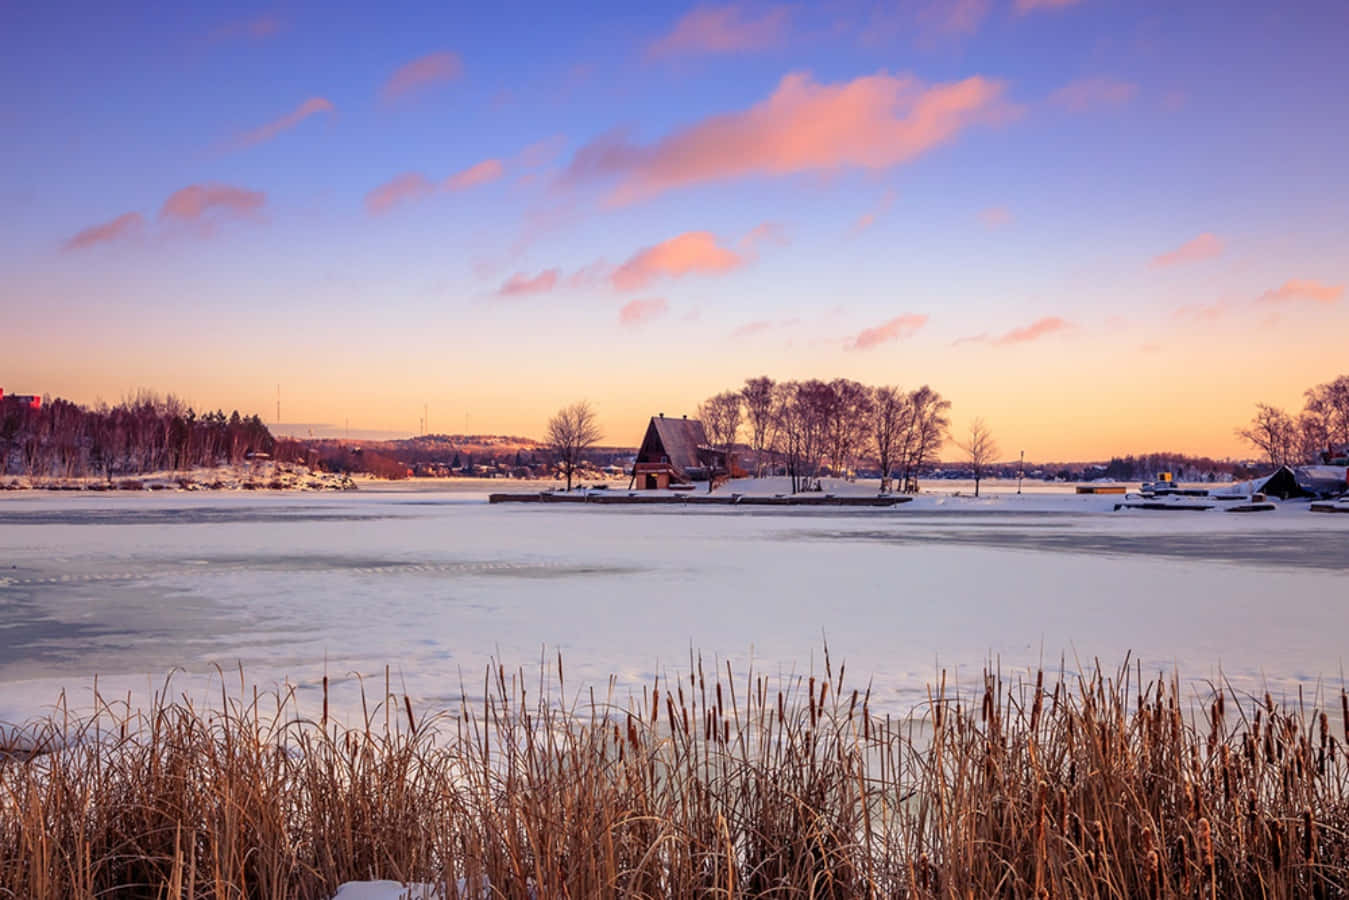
[(261, 476)]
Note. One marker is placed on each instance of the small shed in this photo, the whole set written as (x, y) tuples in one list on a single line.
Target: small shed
[(675, 451)]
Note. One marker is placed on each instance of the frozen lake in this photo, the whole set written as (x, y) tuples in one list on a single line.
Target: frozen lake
[(434, 584)]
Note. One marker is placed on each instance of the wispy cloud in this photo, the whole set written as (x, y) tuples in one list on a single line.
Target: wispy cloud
[(520, 284), (198, 201), (954, 17), (722, 29), (749, 329), (995, 217), (895, 329), (1025, 6), (1203, 312), (263, 133), (871, 216), (692, 251), (541, 153), (639, 312), (1093, 93), (117, 229), (1032, 332), (1296, 289), (422, 72), (1205, 246), (256, 28), (764, 233), (401, 188), (874, 122), (480, 173)]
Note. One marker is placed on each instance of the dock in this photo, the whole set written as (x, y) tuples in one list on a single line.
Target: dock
[(1101, 488), (637, 498)]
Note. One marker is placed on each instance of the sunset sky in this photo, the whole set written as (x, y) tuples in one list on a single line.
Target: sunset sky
[(1103, 226)]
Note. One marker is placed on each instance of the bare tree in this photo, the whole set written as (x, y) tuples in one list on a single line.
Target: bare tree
[(799, 421), (927, 433), (890, 417), (845, 423), (759, 408), (1330, 403), (571, 431), (1273, 432), (721, 420), (979, 450)]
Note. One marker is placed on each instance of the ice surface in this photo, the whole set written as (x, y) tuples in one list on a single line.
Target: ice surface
[(435, 584)]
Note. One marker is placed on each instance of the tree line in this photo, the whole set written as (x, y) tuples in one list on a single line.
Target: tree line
[(1318, 434), (144, 433), (810, 428)]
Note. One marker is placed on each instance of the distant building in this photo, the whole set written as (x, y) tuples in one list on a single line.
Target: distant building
[(675, 451), (32, 401)]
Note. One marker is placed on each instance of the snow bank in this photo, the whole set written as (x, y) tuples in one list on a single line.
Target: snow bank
[(395, 890)]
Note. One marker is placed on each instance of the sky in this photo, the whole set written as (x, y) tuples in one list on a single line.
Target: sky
[(1102, 226)]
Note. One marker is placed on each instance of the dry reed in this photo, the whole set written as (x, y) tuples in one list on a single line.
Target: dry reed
[(707, 785)]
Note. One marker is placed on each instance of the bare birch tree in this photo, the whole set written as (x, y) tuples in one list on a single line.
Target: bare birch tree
[(759, 407), (927, 433), (979, 450), (720, 416), (890, 415)]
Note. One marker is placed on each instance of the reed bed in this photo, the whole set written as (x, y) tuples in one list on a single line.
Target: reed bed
[(709, 784)]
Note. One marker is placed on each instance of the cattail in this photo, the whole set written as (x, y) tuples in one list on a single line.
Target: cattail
[(1276, 845), (1308, 836)]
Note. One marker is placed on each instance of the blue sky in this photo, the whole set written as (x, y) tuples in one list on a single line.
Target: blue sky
[(1099, 136)]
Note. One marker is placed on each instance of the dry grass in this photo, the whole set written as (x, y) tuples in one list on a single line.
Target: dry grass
[(709, 785)]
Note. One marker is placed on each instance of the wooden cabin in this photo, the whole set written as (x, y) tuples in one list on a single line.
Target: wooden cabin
[(676, 452)]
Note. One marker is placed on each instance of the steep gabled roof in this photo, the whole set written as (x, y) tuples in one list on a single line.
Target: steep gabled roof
[(677, 439)]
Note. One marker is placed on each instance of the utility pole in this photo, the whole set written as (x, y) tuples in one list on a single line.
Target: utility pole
[(1020, 471)]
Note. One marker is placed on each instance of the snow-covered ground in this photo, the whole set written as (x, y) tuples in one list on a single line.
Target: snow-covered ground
[(434, 584)]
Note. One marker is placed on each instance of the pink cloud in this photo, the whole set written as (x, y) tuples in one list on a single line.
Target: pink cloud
[(749, 329), (264, 133), (421, 72), (692, 251), (1175, 100), (256, 28), (957, 17), (408, 186), (541, 153), (1203, 312), (895, 329), (1035, 330), (1205, 246), (1092, 93), (869, 218), (639, 312), (116, 229), (481, 173), (1025, 6), (721, 29), (593, 275), (764, 233), (995, 217), (875, 122), (1303, 289), (520, 284), (196, 201)]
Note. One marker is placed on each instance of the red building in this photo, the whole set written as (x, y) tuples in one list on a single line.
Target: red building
[(32, 401)]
